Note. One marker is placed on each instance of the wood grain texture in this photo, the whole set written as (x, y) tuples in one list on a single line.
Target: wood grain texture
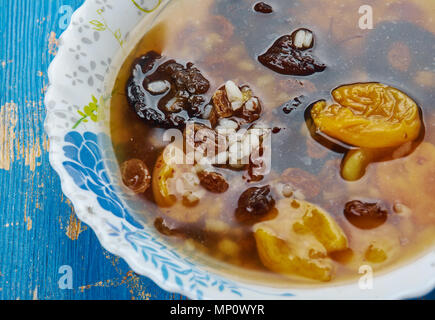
[(38, 229)]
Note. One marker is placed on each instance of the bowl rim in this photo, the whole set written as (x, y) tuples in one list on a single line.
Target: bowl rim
[(84, 213)]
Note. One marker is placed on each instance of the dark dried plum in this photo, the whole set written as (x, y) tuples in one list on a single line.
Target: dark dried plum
[(365, 215), (284, 58), (165, 93), (263, 7)]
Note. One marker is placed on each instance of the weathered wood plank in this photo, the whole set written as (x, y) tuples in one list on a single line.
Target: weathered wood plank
[(38, 229)]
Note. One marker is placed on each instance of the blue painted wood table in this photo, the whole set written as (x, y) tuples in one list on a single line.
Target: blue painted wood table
[(40, 236)]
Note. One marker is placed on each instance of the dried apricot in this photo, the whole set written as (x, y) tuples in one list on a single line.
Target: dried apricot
[(175, 187), (299, 239), (369, 115)]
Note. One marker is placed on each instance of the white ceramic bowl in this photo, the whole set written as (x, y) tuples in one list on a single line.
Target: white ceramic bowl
[(100, 34)]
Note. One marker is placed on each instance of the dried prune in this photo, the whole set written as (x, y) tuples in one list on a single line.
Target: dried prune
[(255, 202), (365, 215), (136, 175), (165, 93), (283, 57), (263, 7), (213, 181)]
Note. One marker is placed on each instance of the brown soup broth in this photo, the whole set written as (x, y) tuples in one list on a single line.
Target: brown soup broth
[(223, 39)]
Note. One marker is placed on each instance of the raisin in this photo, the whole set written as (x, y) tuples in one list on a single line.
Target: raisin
[(255, 203), (164, 93), (263, 7), (136, 175), (284, 58), (213, 181), (365, 215)]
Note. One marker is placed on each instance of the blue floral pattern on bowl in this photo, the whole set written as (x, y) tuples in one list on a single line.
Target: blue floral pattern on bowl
[(86, 167)]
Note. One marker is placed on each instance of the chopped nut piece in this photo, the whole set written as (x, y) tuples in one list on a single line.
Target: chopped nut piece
[(252, 104), (158, 87), (221, 107), (235, 96), (251, 110), (190, 199), (302, 39)]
